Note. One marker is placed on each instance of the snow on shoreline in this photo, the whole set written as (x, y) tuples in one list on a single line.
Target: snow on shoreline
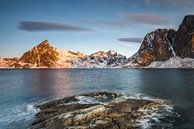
[(173, 62)]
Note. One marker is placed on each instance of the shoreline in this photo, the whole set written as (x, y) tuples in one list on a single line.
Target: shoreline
[(86, 68)]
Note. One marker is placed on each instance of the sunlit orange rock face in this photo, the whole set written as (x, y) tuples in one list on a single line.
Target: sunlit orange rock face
[(66, 58), (42, 55), (8, 62), (145, 58)]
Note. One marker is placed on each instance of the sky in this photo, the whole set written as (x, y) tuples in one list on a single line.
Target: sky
[(85, 25)]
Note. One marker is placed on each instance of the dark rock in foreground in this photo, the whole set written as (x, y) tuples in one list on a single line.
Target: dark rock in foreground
[(107, 111)]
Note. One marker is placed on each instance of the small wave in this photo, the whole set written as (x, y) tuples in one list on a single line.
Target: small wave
[(13, 117), (139, 96), (24, 111), (86, 100), (155, 117), (31, 108)]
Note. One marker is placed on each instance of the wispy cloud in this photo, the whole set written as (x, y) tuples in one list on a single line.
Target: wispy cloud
[(37, 26), (113, 23), (171, 2), (133, 40), (146, 18), (158, 3), (127, 19)]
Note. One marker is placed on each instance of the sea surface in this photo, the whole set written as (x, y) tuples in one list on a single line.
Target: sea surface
[(21, 89)]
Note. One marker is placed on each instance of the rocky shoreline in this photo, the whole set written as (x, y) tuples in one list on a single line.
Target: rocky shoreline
[(101, 110)]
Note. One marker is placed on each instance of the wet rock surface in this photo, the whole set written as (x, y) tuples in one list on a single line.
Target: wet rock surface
[(102, 110)]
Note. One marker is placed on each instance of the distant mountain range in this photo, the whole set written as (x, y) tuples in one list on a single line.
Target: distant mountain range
[(46, 56), (162, 48)]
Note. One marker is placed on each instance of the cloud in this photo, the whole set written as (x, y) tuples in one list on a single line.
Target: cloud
[(158, 3), (146, 18), (133, 40), (170, 2), (130, 45), (113, 23), (36, 26), (128, 19)]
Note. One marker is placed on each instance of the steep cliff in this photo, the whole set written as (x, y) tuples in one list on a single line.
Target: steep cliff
[(163, 44), (42, 55), (183, 42)]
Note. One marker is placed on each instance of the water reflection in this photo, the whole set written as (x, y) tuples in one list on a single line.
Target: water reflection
[(51, 83)]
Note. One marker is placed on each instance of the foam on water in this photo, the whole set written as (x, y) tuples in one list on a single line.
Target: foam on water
[(151, 118), (86, 100), (154, 117), (13, 117)]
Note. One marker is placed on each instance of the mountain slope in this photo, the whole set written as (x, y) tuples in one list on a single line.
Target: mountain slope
[(42, 55), (163, 44), (102, 59), (162, 48), (46, 56)]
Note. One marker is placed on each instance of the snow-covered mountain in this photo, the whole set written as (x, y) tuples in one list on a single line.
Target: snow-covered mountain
[(167, 48), (173, 62), (46, 56), (162, 48)]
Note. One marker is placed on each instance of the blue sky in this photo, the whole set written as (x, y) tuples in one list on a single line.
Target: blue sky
[(85, 25)]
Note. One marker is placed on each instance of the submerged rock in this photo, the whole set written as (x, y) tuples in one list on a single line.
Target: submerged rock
[(107, 111)]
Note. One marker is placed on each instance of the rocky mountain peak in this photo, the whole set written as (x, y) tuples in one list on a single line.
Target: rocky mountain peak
[(183, 43), (187, 24), (44, 43), (162, 44), (111, 53), (42, 55), (156, 46), (45, 56), (102, 54), (98, 54)]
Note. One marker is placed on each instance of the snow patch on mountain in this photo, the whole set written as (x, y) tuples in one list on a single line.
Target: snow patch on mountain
[(173, 62)]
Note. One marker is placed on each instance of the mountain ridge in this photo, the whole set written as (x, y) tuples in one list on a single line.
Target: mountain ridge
[(46, 56), (164, 44), (162, 48)]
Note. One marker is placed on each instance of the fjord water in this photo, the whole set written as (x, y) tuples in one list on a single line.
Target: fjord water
[(21, 89)]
